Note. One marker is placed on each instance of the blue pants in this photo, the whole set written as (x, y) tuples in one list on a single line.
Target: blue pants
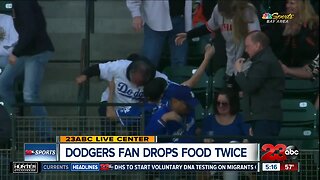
[(265, 128), (33, 68), (154, 41)]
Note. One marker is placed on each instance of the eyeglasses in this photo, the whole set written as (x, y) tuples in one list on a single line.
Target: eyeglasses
[(223, 104)]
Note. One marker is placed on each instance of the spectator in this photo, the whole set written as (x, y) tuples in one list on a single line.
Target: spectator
[(262, 84), (30, 55), (226, 121), (129, 78), (177, 110), (234, 18), (8, 38), (159, 91), (296, 42), (177, 117), (162, 21), (309, 71)]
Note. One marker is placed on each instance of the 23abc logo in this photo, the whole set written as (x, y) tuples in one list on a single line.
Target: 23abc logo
[(280, 152)]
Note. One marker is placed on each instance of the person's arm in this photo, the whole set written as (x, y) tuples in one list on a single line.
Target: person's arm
[(209, 52), (25, 15), (88, 73), (298, 72), (134, 8), (209, 27), (105, 71), (111, 113), (158, 123)]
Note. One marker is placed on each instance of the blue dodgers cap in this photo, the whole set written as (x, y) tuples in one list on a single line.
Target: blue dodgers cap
[(184, 93)]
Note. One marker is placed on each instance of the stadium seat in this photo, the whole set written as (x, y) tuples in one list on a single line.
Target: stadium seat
[(301, 88), (6, 7), (298, 112), (299, 124), (302, 137), (199, 112), (196, 50), (218, 79)]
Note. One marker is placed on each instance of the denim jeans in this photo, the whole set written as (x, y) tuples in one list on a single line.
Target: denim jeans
[(3, 63), (33, 68), (154, 40)]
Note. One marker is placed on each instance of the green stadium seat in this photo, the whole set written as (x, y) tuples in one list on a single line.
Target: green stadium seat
[(199, 113), (297, 112), (196, 50), (219, 79), (299, 124), (6, 7), (302, 137), (301, 88)]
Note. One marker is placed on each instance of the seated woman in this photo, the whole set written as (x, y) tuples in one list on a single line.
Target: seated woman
[(226, 121)]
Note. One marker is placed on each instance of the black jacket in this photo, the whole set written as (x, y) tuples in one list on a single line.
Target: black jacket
[(31, 26), (263, 86)]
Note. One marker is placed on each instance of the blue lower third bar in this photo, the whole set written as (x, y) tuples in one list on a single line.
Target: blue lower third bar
[(85, 167), (55, 167)]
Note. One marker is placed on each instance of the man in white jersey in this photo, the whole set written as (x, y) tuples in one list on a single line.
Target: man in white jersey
[(128, 76), (8, 38)]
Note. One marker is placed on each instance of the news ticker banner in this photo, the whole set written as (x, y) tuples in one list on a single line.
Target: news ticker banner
[(146, 152), (37, 167)]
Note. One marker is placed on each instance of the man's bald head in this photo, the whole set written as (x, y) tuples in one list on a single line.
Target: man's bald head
[(255, 42), (259, 37)]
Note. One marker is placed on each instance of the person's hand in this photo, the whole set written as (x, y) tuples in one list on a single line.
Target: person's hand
[(209, 51), (285, 68), (137, 23), (81, 79), (238, 64), (181, 37), (12, 59), (171, 116)]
